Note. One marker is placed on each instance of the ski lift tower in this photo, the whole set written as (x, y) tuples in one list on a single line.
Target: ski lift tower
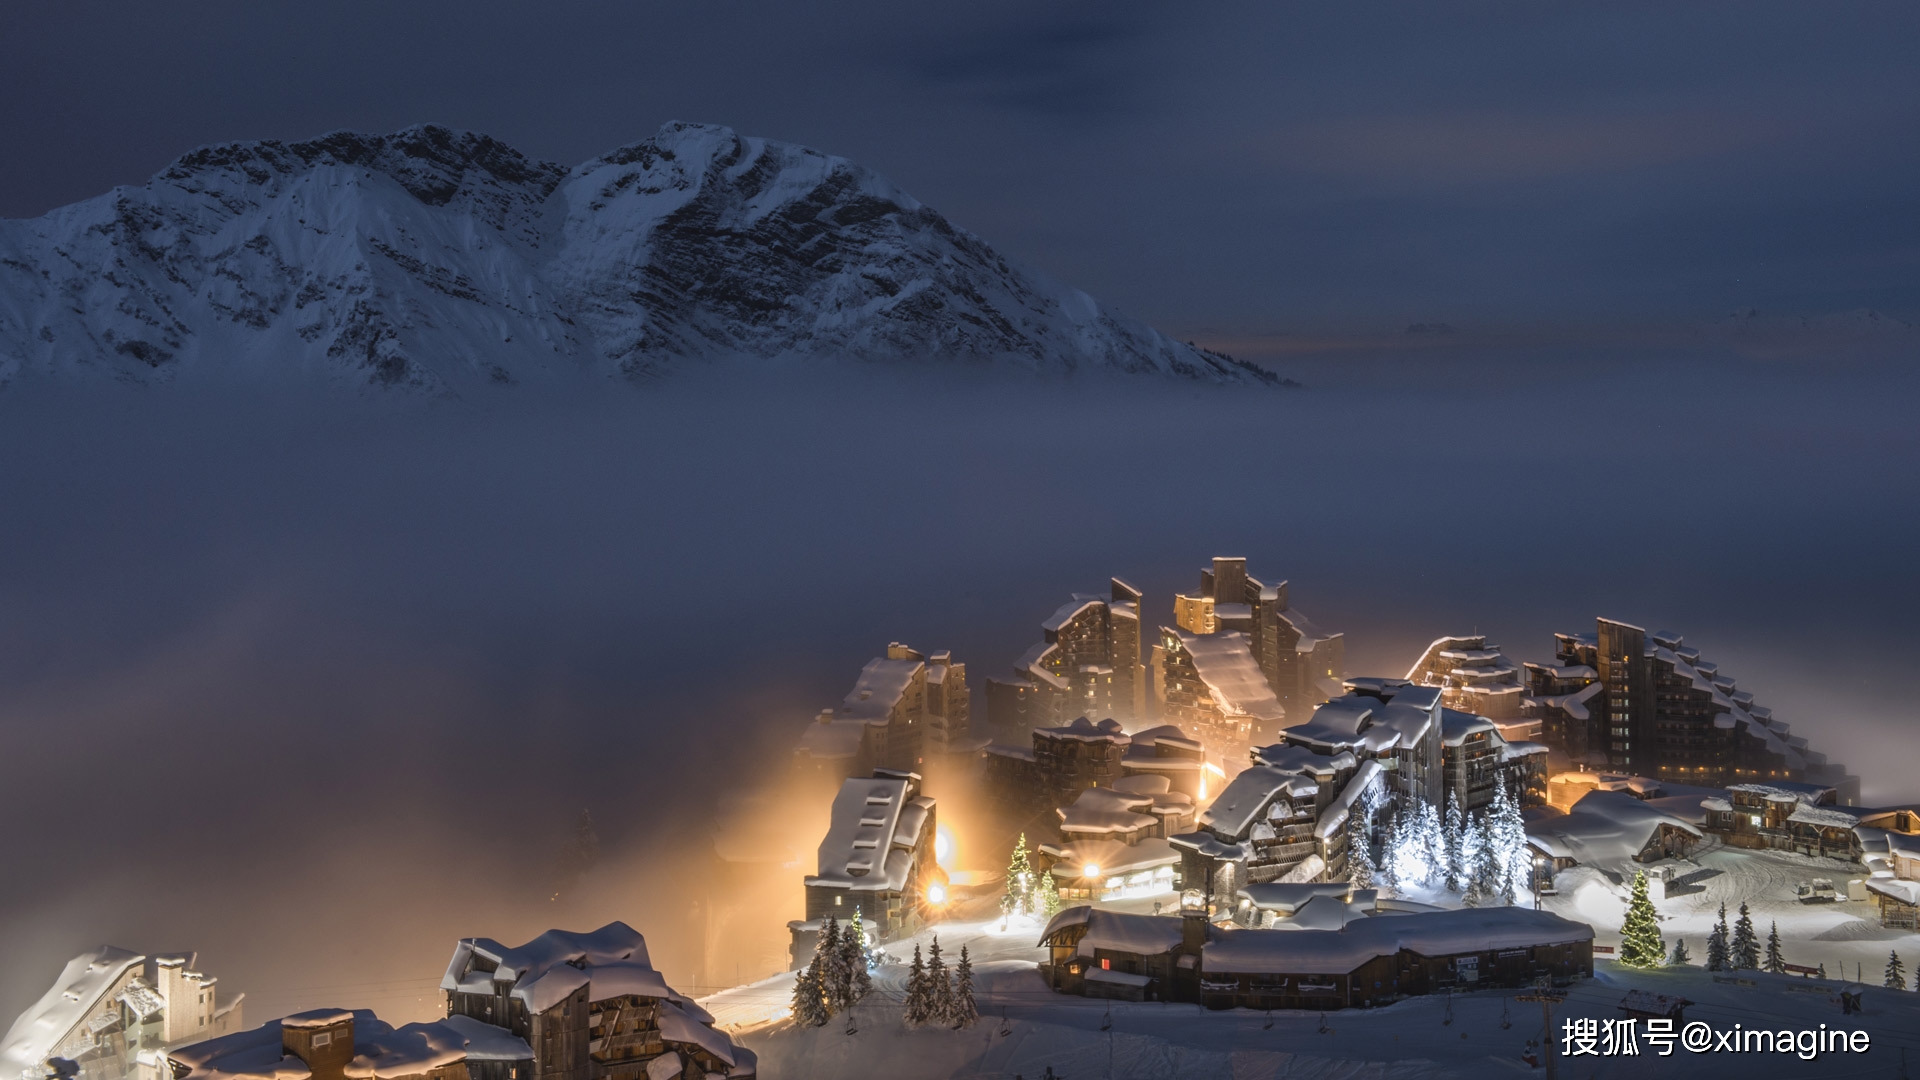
[(1544, 993)]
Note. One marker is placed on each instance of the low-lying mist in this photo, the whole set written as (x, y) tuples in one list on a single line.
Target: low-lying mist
[(317, 685)]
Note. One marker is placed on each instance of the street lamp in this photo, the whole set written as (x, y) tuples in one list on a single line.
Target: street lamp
[(1539, 871)]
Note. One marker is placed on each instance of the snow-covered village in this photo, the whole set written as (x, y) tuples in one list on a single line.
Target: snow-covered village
[(1199, 846), (997, 541)]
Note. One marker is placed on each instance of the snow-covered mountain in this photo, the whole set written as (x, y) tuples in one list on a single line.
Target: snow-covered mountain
[(435, 260)]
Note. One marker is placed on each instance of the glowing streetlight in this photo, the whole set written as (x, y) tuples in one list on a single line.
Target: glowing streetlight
[(943, 846), (1091, 870), (936, 893)]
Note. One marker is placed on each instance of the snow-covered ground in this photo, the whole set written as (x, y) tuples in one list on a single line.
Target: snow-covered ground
[(1026, 1028)]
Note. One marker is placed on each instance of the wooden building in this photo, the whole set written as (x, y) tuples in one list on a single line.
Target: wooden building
[(1369, 961), (589, 1006)]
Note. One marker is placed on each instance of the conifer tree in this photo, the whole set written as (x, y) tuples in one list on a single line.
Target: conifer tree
[(853, 946), (834, 973), (1454, 836), (1360, 872), (1048, 897), (1433, 842), (1640, 943), (1018, 899), (1776, 963), (1896, 972), (1746, 944), (1719, 945), (809, 1005), (1680, 957), (1389, 840), (918, 1000), (939, 986), (963, 1012)]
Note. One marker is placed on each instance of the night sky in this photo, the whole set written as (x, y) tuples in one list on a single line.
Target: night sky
[(1263, 176)]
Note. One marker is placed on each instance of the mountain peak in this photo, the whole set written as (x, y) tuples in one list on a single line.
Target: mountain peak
[(441, 259)]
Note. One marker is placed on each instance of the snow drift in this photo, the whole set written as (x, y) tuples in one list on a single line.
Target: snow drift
[(434, 260)]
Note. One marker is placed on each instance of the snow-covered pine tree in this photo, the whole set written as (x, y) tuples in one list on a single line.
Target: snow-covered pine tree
[(1745, 946), (1775, 963), (1640, 944), (1680, 957), (853, 947), (809, 1006), (963, 1012), (1454, 835), (1896, 972), (1433, 837), (1360, 872), (1720, 944), (1018, 899), (835, 976), (1479, 861), (939, 987), (918, 1001), (1389, 840), (1507, 833)]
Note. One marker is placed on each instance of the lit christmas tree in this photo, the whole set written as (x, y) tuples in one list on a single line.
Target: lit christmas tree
[(1719, 944), (858, 960), (1776, 963), (1018, 899), (1048, 900), (963, 1012), (1640, 943), (1896, 972), (1680, 958), (1746, 945)]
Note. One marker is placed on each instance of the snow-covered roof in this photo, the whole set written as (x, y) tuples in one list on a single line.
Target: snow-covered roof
[(1364, 722), (1822, 817), (862, 849), (1457, 727), (832, 739), (1115, 931), (1286, 897), (1249, 794), (1233, 678), (1574, 704), (1335, 813), (1112, 857), (485, 1042), (676, 1026), (1119, 978), (1103, 810), (1064, 615), (381, 1051), (1085, 730), (544, 971), (1338, 952), (1302, 759), (1310, 635), (82, 986), (1907, 892), (1209, 845), (1604, 827), (881, 685), (1165, 733)]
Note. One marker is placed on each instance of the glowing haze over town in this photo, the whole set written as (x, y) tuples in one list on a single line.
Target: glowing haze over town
[(623, 542)]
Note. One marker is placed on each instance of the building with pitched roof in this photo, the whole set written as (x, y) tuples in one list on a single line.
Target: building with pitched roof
[(1303, 664), (1086, 663), (114, 1013), (877, 857), (905, 709), (586, 1006)]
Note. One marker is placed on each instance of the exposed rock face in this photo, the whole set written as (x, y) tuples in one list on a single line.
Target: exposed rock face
[(435, 260)]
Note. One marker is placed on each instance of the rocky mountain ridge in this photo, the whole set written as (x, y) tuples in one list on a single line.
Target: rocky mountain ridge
[(438, 261)]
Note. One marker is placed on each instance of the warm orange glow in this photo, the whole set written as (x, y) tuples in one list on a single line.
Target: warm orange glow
[(943, 847), (936, 893), (1090, 870)]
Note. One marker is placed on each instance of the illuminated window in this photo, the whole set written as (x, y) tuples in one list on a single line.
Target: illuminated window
[(1106, 965)]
